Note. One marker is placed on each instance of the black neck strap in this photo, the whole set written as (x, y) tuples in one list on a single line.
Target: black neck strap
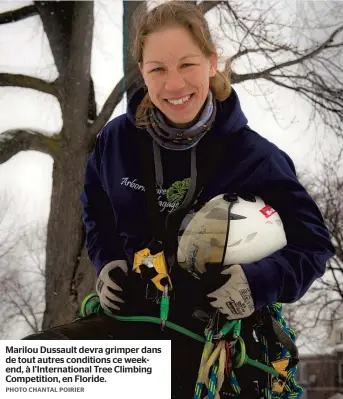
[(166, 231)]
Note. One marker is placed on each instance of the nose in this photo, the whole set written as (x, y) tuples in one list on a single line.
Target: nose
[(174, 81)]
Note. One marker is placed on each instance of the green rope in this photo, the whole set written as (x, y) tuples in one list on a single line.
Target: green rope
[(91, 304), (242, 358)]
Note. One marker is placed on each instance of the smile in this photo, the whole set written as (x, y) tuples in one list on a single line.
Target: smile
[(179, 101)]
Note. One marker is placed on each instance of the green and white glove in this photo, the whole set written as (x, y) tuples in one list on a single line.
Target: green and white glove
[(111, 281)]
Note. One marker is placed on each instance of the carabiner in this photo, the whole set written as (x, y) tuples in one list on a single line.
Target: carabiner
[(164, 306)]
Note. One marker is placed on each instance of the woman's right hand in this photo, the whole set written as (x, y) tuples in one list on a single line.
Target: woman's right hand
[(109, 285)]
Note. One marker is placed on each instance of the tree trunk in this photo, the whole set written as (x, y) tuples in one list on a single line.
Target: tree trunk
[(129, 63), (65, 237), (70, 275)]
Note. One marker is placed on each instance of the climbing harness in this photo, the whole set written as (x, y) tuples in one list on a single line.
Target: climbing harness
[(224, 352)]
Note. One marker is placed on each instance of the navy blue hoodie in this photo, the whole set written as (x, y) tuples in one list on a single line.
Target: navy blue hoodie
[(115, 203)]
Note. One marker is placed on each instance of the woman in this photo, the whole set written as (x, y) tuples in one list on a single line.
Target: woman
[(186, 129), (187, 105)]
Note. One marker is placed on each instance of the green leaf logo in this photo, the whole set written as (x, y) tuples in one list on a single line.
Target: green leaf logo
[(177, 191)]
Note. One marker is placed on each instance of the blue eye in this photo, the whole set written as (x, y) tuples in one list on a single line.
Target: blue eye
[(159, 69)]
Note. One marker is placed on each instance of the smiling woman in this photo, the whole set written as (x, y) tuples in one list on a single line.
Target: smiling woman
[(181, 172), (178, 78)]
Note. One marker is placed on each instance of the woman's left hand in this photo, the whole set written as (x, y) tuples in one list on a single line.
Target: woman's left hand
[(230, 290)]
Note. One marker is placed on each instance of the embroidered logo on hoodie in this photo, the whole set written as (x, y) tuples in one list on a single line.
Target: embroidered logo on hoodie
[(169, 198)]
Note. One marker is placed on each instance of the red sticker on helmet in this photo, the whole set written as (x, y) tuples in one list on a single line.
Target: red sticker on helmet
[(268, 211)]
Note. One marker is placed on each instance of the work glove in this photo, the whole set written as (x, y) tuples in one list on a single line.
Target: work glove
[(229, 289), (109, 285)]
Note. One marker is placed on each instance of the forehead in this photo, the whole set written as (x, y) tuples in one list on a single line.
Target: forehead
[(165, 45)]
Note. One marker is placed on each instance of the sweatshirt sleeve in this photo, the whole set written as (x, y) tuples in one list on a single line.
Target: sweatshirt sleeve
[(287, 274), (102, 240)]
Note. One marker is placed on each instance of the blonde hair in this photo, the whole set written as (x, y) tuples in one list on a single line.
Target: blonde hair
[(189, 16)]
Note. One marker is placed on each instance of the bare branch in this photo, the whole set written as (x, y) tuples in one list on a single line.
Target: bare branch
[(28, 82), (17, 15), (326, 189), (112, 101), (309, 55), (206, 6), (16, 140), (247, 51), (22, 274), (9, 236), (21, 301), (57, 19), (262, 47)]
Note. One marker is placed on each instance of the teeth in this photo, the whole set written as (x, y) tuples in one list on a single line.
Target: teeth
[(180, 100)]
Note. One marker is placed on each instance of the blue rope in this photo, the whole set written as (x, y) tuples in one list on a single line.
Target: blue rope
[(199, 385), (291, 390), (213, 381)]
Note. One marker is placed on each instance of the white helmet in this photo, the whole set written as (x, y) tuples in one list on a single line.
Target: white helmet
[(229, 230)]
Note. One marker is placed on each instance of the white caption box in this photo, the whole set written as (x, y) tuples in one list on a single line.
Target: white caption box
[(127, 369)]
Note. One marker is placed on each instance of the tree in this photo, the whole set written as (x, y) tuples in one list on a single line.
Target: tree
[(22, 273), (69, 27), (326, 188), (314, 324), (22, 301), (283, 46)]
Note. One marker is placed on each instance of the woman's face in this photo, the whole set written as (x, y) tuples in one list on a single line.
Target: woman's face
[(176, 73)]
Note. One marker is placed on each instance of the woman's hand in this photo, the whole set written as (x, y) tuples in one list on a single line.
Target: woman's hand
[(230, 290), (109, 285)]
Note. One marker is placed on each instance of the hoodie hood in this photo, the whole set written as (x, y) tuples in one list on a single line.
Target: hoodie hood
[(229, 119)]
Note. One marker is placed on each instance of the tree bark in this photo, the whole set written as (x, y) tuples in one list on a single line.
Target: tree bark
[(16, 140), (58, 21), (65, 236), (129, 64), (17, 15), (27, 82)]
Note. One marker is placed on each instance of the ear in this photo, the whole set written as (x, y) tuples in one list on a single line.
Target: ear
[(213, 64)]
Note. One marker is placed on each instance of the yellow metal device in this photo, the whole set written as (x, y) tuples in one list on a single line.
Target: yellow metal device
[(155, 262), (280, 366)]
